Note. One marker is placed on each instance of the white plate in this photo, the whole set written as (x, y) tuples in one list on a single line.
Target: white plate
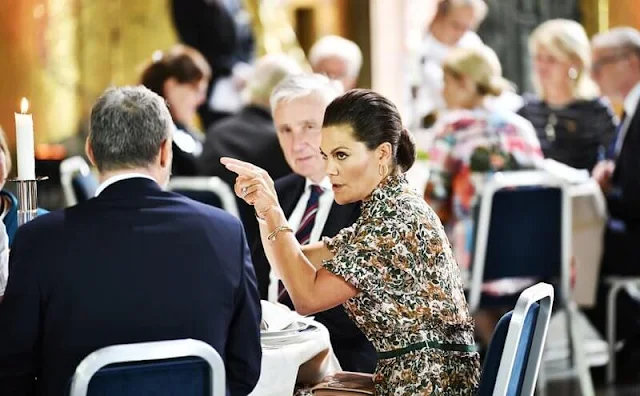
[(292, 329)]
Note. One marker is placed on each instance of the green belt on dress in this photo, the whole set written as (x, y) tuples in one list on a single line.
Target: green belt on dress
[(427, 344)]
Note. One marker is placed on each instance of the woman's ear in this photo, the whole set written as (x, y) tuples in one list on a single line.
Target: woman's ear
[(384, 153), (89, 151), (166, 153)]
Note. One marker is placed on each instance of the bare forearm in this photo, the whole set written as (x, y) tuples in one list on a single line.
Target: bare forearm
[(286, 257)]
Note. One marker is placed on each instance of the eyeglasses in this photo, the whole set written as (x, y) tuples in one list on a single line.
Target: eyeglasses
[(607, 60)]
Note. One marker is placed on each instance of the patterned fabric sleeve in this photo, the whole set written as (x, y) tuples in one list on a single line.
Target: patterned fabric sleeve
[(357, 259)]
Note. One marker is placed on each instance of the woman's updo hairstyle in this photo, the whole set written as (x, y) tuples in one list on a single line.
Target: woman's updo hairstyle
[(181, 62), (374, 120)]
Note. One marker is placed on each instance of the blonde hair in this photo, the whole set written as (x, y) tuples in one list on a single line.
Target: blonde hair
[(5, 149), (481, 65), (566, 40)]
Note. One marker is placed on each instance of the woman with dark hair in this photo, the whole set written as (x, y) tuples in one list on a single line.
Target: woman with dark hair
[(393, 269), (181, 76)]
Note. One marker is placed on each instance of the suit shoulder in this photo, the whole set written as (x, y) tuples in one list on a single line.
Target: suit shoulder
[(210, 212), (287, 182), (45, 225)]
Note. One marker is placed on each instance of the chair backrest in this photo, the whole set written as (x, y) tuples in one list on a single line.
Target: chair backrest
[(513, 359), (523, 229), (184, 367), (78, 183), (209, 190)]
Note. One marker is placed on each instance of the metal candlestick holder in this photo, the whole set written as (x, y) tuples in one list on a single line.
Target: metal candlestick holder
[(27, 199)]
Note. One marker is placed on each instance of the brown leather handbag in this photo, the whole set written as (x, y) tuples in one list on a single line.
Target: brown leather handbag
[(345, 383)]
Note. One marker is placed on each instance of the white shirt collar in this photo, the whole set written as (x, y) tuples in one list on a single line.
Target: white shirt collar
[(325, 184), (120, 177), (631, 100)]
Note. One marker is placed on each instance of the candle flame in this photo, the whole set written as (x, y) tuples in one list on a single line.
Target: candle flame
[(24, 105)]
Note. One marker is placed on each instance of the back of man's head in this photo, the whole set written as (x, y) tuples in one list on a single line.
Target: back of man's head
[(128, 127)]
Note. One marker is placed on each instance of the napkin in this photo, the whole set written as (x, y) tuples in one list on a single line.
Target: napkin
[(276, 317)]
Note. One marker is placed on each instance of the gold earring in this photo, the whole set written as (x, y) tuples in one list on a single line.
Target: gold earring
[(383, 170)]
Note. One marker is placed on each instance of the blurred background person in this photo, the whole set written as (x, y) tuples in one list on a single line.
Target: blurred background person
[(616, 69), (181, 76), (8, 201), (4, 260), (471, 143), (453, 26), (249, 135), (221, 31), (574, 125), (337, 58)]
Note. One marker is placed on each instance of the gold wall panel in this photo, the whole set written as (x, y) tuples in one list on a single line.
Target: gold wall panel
[(624, 13), (62, 54)]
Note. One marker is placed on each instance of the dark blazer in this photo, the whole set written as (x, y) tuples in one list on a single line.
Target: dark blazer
[(134, 264), (351, 347), (211, 29), (621, 248), (187, 146), (248, 136)]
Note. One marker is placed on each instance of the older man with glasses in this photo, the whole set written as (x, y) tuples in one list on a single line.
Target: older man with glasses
[(616, 69)]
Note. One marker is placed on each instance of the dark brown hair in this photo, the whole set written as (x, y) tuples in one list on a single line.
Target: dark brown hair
[(181, 62), (374, 120)]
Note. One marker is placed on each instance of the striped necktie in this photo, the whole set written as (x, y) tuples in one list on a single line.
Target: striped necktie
[(309, 218), (613, 148), (303, 235)]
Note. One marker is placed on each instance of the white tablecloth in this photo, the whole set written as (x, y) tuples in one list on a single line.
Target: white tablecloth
[(280, 365), (589, 216)]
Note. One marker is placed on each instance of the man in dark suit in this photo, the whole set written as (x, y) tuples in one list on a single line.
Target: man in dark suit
[(616, 69), (220, 30), (134, 264), (249, 135), (306, 197)]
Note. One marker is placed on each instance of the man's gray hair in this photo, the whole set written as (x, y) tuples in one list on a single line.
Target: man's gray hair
[(128, 126), (339, 47), (617, 38), (304, 85)]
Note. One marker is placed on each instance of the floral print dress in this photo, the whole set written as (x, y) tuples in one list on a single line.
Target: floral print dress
[(398, 256)]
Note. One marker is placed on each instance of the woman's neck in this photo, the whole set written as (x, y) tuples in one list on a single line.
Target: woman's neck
[(436, 30), (558, 97), (475, 103)]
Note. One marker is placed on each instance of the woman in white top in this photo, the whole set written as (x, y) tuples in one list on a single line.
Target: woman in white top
[(452, 27), (4, 259)]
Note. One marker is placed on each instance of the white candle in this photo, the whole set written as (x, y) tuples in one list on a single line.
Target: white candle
[(24, 143)]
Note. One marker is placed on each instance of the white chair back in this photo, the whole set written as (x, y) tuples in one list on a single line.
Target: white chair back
[(149, 352), (518, 179), (213, 184), (68, 168), (541, 293)]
